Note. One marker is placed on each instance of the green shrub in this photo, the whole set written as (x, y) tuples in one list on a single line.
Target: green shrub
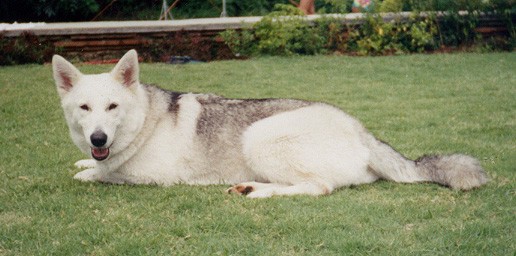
[(444, 5), (241, 42), (391, 6), (332, 32), (421, 35), (213, 8), (282, 32), (333, 6), (285, 32), (376, 37), (456, 29)]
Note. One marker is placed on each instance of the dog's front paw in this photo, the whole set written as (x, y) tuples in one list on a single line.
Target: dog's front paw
[(86, 163), (87, 175)]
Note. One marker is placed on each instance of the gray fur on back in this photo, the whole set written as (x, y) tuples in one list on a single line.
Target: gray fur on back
[(222, 122), (220, 115)]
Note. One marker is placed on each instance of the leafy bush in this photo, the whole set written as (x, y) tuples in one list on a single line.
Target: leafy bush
[(421, 34), (282, 32), (285, 32), (444, 5), (241, 42), (332, 32), (391, 6), (456, 29), (376, 37), (333, 6)]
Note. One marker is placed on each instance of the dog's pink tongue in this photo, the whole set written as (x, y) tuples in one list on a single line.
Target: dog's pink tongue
[(100, 153)]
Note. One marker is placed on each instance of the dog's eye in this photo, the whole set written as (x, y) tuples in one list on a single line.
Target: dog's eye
[(85, 107), (112, 106)]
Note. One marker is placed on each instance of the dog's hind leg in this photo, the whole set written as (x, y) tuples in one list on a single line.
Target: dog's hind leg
[(309, 151), (264, 190), (248, 187)]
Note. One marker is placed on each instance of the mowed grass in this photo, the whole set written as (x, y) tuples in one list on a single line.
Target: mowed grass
[(420, 104)]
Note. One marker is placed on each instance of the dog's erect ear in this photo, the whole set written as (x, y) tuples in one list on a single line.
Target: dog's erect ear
[(126, 70), (65, 74)]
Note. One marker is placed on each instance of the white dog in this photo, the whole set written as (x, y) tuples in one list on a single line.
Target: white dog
[(141, 134)]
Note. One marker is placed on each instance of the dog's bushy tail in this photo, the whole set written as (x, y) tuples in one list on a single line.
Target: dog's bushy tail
[(456, 171)]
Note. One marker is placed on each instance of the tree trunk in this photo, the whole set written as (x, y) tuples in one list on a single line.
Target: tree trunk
[(307, 6)]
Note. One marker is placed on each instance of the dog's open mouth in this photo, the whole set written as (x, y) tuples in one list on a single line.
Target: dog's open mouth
[(100, 153)]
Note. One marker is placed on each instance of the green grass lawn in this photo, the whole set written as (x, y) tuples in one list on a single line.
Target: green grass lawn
[(419, 104)]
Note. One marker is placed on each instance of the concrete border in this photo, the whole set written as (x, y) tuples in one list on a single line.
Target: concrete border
[(123, 27)]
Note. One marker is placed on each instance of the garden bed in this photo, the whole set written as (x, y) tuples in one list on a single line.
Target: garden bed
[(158, 40)]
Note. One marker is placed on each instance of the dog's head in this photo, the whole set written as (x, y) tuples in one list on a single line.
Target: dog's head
[(104, 111)]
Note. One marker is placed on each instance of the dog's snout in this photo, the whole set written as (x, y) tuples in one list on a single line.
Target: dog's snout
[(98, 138)]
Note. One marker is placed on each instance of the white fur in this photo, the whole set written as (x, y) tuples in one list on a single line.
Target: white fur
[(309, 150), (316, 147)]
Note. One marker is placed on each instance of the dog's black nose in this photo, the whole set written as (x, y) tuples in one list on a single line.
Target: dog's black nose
[(98, 138)]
